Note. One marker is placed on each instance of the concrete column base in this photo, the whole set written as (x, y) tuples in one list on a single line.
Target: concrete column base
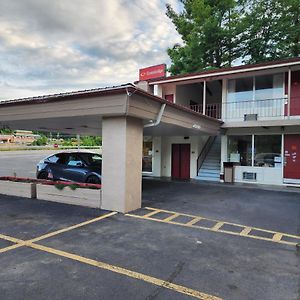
[(122, 148)]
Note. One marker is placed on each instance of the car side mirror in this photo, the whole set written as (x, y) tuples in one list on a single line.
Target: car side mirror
[(79, 164)]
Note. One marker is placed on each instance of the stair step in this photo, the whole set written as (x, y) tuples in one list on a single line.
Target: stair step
[(210, 169), (211, 163), (207, 174), (205, 170), (207, 179)]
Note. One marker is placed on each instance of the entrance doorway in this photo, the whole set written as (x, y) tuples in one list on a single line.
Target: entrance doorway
[(181, 161), (292, 158)]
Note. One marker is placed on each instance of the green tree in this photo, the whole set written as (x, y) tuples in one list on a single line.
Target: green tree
[(91, 141), (211, 34), (217, 33), (272, 30), (42, 141), (6, 131), (290, 28)]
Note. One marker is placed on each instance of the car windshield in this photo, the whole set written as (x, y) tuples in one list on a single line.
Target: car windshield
[(91, 159)]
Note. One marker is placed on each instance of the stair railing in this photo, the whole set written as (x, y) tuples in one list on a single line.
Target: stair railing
[(205, 151)]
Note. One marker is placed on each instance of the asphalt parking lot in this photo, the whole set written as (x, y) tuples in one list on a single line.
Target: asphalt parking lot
[(188, 241)]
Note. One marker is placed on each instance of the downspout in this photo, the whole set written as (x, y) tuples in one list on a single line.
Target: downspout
[(159, 116), (158, 119)]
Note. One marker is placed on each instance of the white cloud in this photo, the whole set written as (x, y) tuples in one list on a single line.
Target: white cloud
[(53, 46)]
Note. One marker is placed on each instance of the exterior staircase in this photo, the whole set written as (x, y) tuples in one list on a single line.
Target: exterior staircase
[(210, 168)]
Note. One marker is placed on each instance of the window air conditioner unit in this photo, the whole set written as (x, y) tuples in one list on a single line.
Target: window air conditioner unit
[(249, 176), (250, 117)]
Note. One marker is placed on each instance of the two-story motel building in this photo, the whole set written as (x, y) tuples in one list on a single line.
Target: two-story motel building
[(259, 106)]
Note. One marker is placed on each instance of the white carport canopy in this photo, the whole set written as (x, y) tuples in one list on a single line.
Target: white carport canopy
[(118, 114)]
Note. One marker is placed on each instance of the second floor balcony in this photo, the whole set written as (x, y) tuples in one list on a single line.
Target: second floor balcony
[(266, 109)]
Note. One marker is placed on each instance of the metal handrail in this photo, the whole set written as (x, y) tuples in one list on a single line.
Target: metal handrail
[(256, 100), (271, 107), (204, 152)]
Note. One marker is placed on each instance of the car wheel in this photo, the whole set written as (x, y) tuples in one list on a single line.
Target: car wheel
[(93, 179), (43, 175)]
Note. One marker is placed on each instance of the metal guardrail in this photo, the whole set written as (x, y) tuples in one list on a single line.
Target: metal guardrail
[(265, 108)]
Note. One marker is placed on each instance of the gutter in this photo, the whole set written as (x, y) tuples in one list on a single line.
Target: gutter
[(220, 73), (159, 115)]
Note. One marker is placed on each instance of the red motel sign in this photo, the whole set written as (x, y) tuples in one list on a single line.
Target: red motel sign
[(157, 71)]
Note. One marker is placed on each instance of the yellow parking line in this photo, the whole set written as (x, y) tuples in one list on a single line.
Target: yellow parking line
[(277, 236), (129, 273), (116, 269), (234, 224), (171, 217), (45, 236), (10, 239), (19, 243), (152, 213), (14, 246), (194, 221), (245, 230), (217, 226)]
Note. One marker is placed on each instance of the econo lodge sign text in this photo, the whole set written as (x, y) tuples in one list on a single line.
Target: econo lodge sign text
[(152, 72)]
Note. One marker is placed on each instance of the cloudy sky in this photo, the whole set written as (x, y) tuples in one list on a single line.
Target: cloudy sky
[(49, 46)]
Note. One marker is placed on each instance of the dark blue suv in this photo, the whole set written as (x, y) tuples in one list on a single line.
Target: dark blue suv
[(71, 166)]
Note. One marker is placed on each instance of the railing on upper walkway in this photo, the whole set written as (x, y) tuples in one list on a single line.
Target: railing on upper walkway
[(211, 110), (257, 109)]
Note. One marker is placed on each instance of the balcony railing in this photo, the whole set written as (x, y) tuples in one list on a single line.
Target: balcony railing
[(254, 109), (259, 109), (211, 110)]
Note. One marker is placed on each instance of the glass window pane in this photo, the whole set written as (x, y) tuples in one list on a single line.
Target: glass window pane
[(147, 155), (53, 159), (268, 87), (240, 89), (240, 149), (91, 159), (74, 161), (264, 82), (244, 84), (267, 151)]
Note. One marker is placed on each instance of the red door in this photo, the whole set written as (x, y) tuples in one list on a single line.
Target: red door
[(169, 98), (181, 161), (292, 156), (295, 94)]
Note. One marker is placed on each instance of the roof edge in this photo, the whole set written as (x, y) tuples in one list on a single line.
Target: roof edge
[(223, 71)]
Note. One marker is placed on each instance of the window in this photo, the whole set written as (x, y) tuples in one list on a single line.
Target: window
[(91, 159), (53, 159), (255, 88), (74, 160), (267, 151), (240, 89), (240, 149), (268, 87), (57, 158), (147, 154)]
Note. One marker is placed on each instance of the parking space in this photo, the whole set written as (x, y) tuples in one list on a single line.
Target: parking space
[(77, 253)]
